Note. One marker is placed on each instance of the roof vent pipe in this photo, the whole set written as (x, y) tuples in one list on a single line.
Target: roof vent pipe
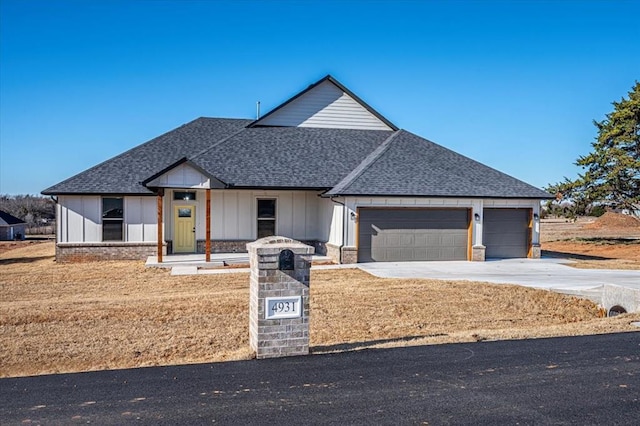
[(258, 110)]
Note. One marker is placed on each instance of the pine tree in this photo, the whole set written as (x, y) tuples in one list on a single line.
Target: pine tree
[(612, 169)]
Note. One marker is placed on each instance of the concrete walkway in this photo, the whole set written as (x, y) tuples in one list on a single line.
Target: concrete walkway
[(220, 263)]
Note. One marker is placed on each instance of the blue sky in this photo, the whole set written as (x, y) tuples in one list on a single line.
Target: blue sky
[(512, 84)]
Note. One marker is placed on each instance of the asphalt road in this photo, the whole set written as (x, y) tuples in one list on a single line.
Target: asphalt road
[(576, 380)]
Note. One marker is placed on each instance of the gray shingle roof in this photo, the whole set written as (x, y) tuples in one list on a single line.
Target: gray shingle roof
[(7, 219), (414, 166), (289, 157), (124, 173), (343, 161)]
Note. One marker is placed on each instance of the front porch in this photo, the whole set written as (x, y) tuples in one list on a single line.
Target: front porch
[(197, 220)]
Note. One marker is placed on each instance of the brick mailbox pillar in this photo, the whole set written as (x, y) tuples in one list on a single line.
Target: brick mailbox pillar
[(279, 297)]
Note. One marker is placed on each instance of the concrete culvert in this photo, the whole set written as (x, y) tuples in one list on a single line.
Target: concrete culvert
[(616, 310)]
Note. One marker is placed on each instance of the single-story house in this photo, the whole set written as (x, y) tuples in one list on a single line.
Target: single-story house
[(324, 168), (11, 228)]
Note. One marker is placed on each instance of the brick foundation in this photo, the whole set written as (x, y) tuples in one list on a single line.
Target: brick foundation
[(224, 246), (333, 251), (535, 251), (477, 253), (240, 246), (83, 252), (349, 255)]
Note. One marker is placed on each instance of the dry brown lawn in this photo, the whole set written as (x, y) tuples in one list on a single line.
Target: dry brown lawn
[(609, 242), (107, 315)]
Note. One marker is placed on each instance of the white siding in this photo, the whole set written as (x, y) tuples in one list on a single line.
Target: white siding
[(75, 221), (149, 218), (182, 176), (80, 219), (230, 215), (133, 219), (331, 222), (92, 212), (140, 219), (234, 214), (325, 106), (245, 216)]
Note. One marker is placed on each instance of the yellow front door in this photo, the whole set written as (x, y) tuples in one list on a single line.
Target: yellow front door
[(184, 234)]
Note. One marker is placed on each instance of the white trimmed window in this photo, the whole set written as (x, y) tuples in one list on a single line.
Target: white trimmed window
[(112, 219), (266, 217)]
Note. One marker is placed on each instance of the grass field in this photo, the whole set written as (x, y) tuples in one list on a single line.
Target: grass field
[(108, 315)]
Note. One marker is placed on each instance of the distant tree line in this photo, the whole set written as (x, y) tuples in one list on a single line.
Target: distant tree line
[(39, 213)]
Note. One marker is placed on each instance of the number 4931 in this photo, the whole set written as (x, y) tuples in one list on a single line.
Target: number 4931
[(283, 307)]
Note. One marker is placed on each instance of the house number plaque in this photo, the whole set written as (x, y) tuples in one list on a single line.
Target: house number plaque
[(283, 307)]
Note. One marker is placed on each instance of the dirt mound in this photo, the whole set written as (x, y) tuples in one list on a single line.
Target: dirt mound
[(614, 220)]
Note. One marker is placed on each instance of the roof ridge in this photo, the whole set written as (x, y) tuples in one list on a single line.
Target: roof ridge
[(364, 165), (215, 144)]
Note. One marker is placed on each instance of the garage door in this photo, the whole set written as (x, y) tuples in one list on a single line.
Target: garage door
[(390, 235), (506, 233)]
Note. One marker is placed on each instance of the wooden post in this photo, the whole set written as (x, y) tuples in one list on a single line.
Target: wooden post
[(160, 239), (207, 241)]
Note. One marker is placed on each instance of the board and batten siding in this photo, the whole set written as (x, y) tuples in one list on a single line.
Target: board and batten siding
[(181, 176), (300, 215), (326, 106), (140, 219), (80, 219)]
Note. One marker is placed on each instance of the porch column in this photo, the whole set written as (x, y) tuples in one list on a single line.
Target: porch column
[(207, 241), (159, 237)]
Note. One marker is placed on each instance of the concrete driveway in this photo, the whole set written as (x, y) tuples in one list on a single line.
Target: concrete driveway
[(549, 274)]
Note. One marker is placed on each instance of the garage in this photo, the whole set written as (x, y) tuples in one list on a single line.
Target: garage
[(408, 234), (506, 233)]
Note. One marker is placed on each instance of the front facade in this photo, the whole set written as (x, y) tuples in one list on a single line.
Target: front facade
[(323, 168)]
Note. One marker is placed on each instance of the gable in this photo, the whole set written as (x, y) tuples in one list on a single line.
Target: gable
[(181, 176), (327, 104)]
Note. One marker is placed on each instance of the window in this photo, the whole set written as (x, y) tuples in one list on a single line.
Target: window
[(266, 218), (184, 212), (112, 219), (182, 195)]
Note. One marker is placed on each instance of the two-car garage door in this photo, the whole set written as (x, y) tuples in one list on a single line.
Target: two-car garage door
[(407, 234)]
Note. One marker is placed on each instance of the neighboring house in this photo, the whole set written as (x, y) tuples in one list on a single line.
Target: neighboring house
[(11, 228), (323, 168)]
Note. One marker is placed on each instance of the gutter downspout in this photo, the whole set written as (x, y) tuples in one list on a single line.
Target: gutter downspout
[(344, 224)]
